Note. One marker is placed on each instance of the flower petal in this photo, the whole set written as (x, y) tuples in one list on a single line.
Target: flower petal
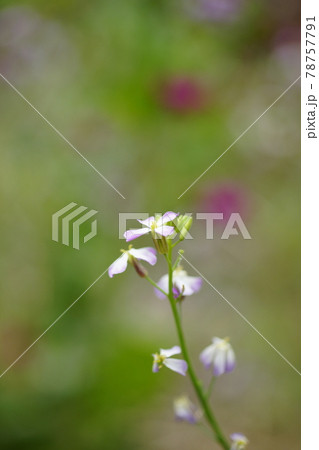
[(185, 410), (133, 234), (186, 416), (147, 254), (155, 367), (147, 222), (164, 230), (219, 363), (237, 437), (169, 216), (176, 350), (177, 365), (230, 360), (194, 284), (118, 266), (163, 284), (188, 285), (207, 356)]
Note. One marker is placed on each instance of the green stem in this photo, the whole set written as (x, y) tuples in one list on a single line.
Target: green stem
[(155, 285), (178, 260), (195, 382), (210, 387)]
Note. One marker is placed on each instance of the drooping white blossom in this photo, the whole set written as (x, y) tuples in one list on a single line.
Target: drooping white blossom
[(185, 410), (219, 356)]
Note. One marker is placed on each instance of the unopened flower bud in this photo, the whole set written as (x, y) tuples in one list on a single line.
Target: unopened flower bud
[(140, 270), (184, 224)]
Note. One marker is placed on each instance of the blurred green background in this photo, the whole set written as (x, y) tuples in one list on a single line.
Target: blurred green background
[(151, 92)]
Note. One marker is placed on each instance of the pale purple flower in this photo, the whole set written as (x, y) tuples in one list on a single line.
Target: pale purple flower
[(239, 441), (287, 49), (164, 358), (219, 356), (185, 410), (215, 10), (183, 284), (120, 264), (32, 46), (156, 225)]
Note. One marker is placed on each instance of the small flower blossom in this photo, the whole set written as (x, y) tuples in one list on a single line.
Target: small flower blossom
[(239, 441), (164, 358), (183, 284), (132, 255), (219, 355), (185, 410), (154, 225), (182, 95)]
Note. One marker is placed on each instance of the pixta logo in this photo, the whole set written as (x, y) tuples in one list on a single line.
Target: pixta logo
[(68, 221), (234, 226)]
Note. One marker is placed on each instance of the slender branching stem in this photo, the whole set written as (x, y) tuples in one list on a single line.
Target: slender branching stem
[(210, 387), (220, 438), (178, 260)]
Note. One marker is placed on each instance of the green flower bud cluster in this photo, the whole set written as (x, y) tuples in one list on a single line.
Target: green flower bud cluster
[(183, 225)]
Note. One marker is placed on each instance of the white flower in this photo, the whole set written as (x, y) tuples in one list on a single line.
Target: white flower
[(219, 355), (183, 284), (164, 358), (239, 441), (185, 410), (131, 255)]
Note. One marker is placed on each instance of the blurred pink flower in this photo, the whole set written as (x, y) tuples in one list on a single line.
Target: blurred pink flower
[(226, 198), (182, 94)]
